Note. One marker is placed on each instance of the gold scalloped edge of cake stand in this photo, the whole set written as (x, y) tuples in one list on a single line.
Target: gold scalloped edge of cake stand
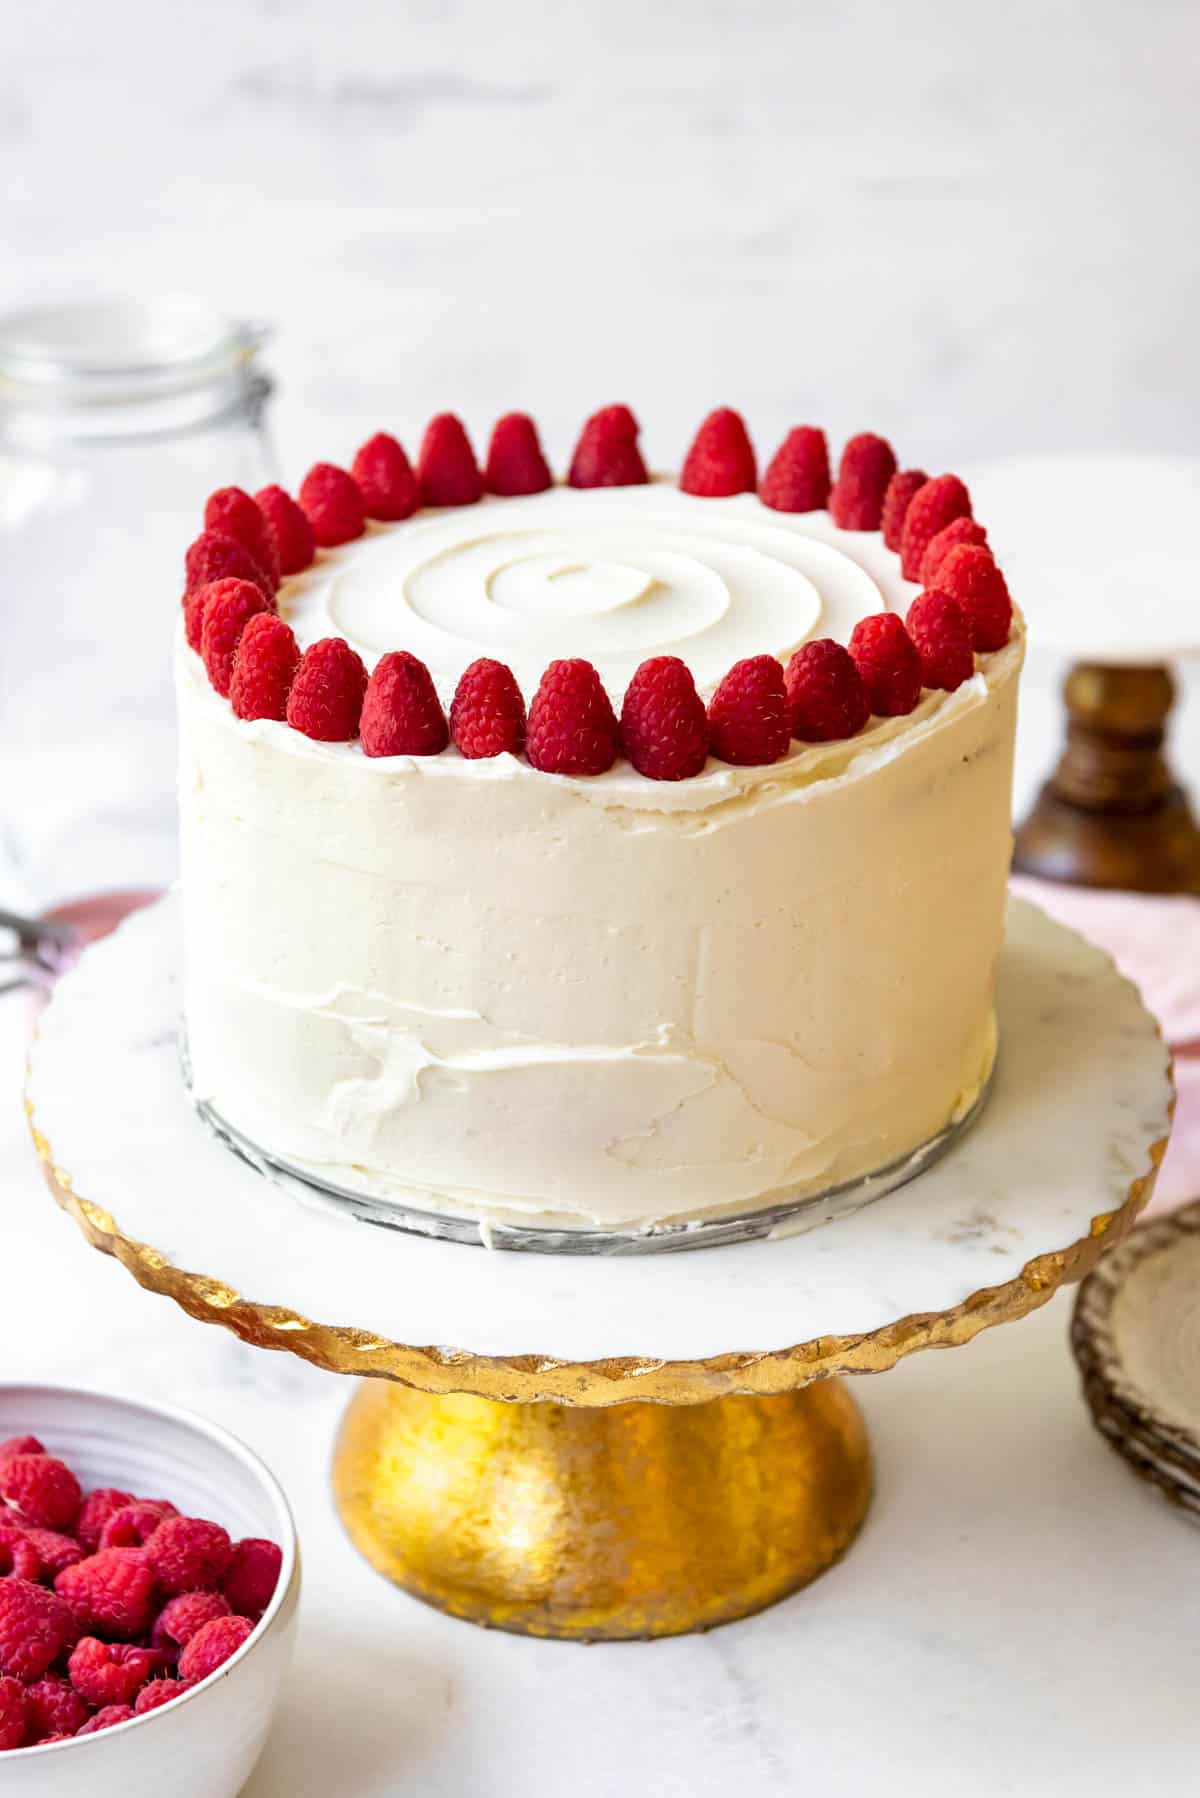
[(529, 1378)]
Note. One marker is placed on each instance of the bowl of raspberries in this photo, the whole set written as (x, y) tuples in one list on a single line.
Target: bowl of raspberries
[(149, 1582)]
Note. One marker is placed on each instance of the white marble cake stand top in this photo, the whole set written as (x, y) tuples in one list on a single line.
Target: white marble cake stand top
[(1082, 1091)]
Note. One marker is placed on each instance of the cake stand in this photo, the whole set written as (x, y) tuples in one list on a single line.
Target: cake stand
[(608, 1447), (1104, 556)]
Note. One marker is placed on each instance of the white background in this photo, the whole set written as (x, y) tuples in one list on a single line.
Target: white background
[(974, 229)]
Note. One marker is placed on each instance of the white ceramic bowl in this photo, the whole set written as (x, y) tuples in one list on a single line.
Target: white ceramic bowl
[(206, 1743)]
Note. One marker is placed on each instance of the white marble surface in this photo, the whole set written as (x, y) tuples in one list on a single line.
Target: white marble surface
[(975, 231)]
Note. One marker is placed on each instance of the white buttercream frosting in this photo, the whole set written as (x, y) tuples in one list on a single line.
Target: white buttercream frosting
[(605, 1001)]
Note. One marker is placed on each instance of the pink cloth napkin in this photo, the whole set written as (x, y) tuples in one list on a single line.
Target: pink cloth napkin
[(1155, 940)]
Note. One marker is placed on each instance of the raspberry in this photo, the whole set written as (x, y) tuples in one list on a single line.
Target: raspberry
[(97, 1508), (228, 608), (887, 659), (110, 1672), (19, 1445), (189, 1554), (264, 666), (385, 479), (797, 477), (572, 726), (54, 1551), (55, 1708), (295, 544), (903, 484), (18, 1556), (232, 513), (930, 509), (867, 465), (664, 726), (212, 1646), (827, 701), (333, 504), (108, 1718), (158, 1693), (401, 713), (325, 702), (253, 1574), (110, 1593), (721, 459), (446, 467), (515, 463), (959, 530), (607, 454), (43, 1489), (938, 626), (14, 1713), (969, 574), (213, 557), (35, 1627), (181, 1617), (748, 714), (487, 713), (133, 1524)]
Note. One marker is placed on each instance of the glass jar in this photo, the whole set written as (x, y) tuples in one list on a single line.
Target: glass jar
[(117, 418)]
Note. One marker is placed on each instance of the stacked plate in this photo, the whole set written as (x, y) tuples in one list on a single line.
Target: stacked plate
[(1136, 1337)]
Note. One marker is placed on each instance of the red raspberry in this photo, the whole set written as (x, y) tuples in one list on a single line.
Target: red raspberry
[(228, 608), (901, 488), (232, 513), (110, 1593), (110, 1672), (721, 459), (572, 726), (253, 1575), (867, 466), (385, 479), (264, 666), (930, 509), (133, 1524), (938, 626), (213, 557), (326, 699), (158, 1693), (515, 463), (55, 1709), (181, 1617), (959, 530), (97, 1508), (212, 1646), (54, 1551), (19, 1558), (108, 1718), (14, 1714), (295, 544), (748, 719), (401, 713), (189, 1554), (19, 1445), (446, 467), (43, 1489), (607, 454), (487, 713), (887, 659), (664, 726), (827, 701), (333, 504), (35, 1627), (969, 574), (797, 477)]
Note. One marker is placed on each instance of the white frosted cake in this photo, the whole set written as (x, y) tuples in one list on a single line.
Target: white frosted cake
[(473, 984)]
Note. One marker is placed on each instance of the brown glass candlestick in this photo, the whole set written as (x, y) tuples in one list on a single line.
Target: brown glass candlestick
[(1112, 814)]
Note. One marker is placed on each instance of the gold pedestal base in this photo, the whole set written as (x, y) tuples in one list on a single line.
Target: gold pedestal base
[(602, 1524)]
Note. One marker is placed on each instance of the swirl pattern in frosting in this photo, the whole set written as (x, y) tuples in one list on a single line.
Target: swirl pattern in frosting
[(612, 574)]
